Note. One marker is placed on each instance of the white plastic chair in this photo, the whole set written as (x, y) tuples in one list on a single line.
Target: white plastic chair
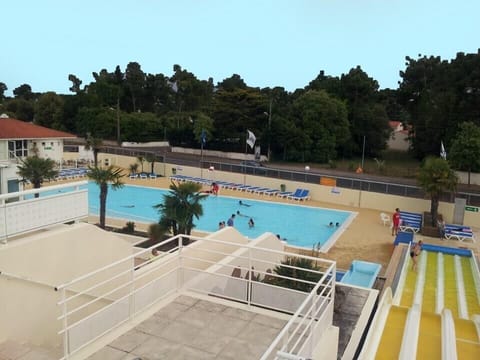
[(385, 219)]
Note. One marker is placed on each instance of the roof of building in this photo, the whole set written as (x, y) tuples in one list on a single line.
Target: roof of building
[(17, 129)]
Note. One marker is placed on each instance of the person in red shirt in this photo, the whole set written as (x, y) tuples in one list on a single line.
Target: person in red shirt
[(395, 221), (215, 188)]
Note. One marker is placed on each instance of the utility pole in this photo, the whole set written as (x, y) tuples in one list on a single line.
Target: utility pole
[(363, 151)]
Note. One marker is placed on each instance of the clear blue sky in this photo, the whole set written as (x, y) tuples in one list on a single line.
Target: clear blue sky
[(267, 42)]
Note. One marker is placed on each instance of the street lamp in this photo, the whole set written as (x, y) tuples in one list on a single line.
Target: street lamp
[(307, 169), (119, 141)]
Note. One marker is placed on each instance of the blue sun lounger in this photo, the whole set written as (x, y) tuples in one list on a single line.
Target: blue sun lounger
[(459, 232), (288, 194), (303, 195), (410, 221)]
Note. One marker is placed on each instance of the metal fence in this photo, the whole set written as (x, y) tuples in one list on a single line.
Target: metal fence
[(355, 183)]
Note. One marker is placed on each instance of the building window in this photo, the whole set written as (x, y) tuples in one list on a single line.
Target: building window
[(17, 148)]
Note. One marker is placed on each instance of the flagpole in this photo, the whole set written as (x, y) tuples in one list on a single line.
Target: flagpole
[(244, 163)]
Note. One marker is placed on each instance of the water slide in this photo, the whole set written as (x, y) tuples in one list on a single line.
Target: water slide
[(435, 312), (391, 341)]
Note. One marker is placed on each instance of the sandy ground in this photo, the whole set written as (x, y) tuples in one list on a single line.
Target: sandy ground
[(365, 239)]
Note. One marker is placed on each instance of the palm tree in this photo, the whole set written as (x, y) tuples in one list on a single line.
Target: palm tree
[(141, 159), (133, 168), (103, 177), (179, 207), (94, 144), (150, 157), (435, 178), (36, 170), (289, 276)]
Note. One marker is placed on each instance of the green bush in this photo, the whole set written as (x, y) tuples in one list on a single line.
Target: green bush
[(129, 227)]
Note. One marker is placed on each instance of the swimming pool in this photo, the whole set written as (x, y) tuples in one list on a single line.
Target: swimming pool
[(301, 226)]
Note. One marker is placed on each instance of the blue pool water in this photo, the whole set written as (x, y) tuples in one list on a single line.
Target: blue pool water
[(301, 226)]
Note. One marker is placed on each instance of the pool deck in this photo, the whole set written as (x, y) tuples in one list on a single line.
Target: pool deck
[(364, 239)]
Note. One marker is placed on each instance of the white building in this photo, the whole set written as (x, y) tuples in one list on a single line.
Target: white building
[(19, 139)]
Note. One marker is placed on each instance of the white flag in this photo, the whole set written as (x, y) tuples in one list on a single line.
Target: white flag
[(173, 85), (251, 139), (443, 153)]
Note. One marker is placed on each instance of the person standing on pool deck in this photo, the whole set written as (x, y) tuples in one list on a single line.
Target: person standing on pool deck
[(395, 221), (230, 220)]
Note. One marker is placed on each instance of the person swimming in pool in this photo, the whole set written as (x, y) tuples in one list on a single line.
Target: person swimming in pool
[(241, 203), (240, 214), (414, 253)]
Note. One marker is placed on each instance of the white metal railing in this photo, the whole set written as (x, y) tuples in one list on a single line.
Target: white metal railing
[(56, 206), (96, 303), (300, 336)]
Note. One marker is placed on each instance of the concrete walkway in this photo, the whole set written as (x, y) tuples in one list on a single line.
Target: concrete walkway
[(192, 328)]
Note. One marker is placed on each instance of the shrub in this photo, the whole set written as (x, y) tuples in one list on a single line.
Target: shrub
[(129, 227)]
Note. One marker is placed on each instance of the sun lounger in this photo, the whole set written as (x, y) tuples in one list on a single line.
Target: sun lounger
[(410, 221), (143, 176), (242, 187), (177, 177), (133, 176), (152, 176), (304, 195), (269, 192), (284, 194), (287, 195), (459, 232), (254, 189)]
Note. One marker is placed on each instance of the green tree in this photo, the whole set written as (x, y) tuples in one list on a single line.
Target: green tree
[(135, 82), (49, 111), (24, 91), (435, 178), (3, 88), (20, 109), (76, 82), (37, 170), (464, 153), (366, 115), (323, 120), (180, 206), (105, 177)]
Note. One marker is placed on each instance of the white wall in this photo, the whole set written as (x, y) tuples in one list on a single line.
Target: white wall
[(47, 148), (48, 259), (463, 178)]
